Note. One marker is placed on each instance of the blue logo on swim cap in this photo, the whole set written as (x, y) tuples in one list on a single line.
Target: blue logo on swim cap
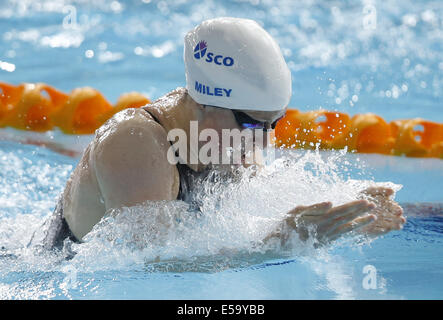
[(200, 49)]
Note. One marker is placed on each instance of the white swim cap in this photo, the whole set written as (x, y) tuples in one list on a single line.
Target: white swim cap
[(234, 63)]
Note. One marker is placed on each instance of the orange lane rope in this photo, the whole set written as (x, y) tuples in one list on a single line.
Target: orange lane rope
[(364, 133), (39, 107)]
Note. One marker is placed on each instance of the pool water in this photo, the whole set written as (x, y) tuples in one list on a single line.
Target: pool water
[(339, 60), (407, 263)]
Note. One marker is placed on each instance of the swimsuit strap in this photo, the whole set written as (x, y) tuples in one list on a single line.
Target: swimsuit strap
[(185, 173)]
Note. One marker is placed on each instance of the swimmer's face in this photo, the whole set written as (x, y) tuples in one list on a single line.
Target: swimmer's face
[(224, 120), (217, 119)]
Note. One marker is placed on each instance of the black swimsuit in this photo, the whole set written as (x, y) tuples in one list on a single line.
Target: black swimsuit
[(59, 230)]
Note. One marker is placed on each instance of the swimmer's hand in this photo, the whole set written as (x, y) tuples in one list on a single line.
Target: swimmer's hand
[(324, 222), (389, 213)]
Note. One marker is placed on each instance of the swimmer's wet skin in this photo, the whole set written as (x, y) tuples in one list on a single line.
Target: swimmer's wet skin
[(127, 163)]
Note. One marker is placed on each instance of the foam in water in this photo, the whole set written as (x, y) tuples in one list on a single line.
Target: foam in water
[(235, 216)]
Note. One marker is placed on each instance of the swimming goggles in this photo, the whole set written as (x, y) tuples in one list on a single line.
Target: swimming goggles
[(247, 122)]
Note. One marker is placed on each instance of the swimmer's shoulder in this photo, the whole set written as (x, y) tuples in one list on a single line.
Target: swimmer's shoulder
[(129, 157), (126, 122), (131, 133), (141, 118), (137, 130)]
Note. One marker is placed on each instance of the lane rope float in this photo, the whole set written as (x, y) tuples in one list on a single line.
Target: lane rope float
[(40, 107)]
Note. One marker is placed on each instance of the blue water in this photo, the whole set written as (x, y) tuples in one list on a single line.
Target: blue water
[(408, 263), (338, 62), (340, 58)]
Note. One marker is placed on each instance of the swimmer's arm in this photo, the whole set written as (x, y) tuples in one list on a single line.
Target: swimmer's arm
[(377, 216), (324, 222), (131, 164)]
